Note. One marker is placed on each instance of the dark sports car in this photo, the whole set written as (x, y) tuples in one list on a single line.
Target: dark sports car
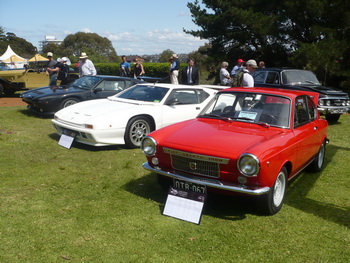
[(48, 100)]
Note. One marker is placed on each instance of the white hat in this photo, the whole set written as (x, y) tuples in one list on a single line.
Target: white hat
[(83, 55), (252, 63), (175, 56), (49, 54), (64, 59)]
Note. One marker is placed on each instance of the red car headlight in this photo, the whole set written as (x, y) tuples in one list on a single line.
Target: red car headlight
[(248, 164), (148, 146)]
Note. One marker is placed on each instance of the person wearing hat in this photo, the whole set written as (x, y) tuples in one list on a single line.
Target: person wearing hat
[(63, 73), (248, 80), (174, 69), (52, 70), (86, 67), (238, 67)]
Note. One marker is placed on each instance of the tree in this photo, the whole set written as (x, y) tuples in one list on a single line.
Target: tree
[(316, 35), (165, 55), (99, 49), (19, 45)]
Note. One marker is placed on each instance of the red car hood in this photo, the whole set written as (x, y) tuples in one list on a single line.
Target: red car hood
[(216, 137)]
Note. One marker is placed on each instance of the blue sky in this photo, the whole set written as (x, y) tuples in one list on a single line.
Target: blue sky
[(134, 27)]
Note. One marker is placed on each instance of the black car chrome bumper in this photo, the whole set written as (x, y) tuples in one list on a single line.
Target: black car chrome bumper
[(211, 182)]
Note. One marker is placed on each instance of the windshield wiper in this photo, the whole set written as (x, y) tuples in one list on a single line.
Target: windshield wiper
[(216, 116)]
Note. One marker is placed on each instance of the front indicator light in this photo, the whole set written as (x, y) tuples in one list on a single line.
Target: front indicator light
[(89, 126), (248, 164)]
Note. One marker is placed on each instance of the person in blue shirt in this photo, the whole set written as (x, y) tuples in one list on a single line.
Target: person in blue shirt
[(124, 68)]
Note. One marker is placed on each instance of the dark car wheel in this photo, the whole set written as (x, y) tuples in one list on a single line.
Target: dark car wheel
[(68, 102), (1, 90), (137, 128), (317, 164), (272, 202), (332, 117)]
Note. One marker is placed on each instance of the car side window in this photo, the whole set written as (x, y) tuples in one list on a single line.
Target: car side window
[(259, 76), (202, 95), (301, 113), (109, 85), (272, 78), (183, 96), (312, 109)]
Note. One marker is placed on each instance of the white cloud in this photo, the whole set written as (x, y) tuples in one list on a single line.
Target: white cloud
[(154, 42), (86, 30)]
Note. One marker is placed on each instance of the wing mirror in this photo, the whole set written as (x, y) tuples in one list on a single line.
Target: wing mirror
[(173, 101), (97, 90)]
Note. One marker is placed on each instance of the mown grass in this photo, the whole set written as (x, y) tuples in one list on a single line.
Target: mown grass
[(91, 204)]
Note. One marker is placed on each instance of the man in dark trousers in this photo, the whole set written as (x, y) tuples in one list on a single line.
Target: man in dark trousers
[(190, 74)]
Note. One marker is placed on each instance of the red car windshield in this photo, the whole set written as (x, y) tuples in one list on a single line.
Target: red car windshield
[(250, 107)]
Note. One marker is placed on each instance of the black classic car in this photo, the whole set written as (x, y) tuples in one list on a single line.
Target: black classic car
[(48, 100), (332, 103)]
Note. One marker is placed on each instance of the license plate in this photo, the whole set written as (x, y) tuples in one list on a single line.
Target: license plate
[(337, 111), (69, 133), (182, 184)]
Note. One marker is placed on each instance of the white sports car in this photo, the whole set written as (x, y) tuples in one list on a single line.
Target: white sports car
[(130, 115)]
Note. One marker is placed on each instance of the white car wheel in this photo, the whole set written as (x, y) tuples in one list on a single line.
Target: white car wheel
[(317, 164), (272, 202), (136, 129)]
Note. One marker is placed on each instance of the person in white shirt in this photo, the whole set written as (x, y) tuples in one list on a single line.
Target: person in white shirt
[(225, 79), (86, 67), (248, 80)]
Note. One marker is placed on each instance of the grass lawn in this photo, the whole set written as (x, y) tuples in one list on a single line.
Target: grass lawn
[(91, 204)]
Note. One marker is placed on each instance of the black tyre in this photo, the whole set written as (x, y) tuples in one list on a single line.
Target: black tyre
[(137, 128), (272, 202), (317, 164), (332, 117), (1, 90), (68, 102)]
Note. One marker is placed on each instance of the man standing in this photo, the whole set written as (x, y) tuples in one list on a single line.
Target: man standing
[(238, 67), (248, 80), (86, 67), (124, 67), (174, 69), (52, 70), (189, 74)]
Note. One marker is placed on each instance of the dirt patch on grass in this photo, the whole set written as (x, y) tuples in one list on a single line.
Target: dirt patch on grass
[(11, 101)]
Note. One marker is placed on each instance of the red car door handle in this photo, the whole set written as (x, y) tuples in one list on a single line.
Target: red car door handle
[(315, 128)]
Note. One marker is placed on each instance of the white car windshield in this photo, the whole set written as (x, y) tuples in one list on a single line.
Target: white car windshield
[(149, 93), (263, 109)]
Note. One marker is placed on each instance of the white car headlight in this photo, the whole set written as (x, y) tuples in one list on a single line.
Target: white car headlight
[(248, 164), (148, 146)]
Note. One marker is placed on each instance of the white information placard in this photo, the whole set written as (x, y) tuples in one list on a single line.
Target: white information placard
[(184, 205), (66, 141)]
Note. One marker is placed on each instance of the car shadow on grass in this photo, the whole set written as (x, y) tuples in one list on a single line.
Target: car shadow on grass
[(297, 195), (33, 114), (225, 207)]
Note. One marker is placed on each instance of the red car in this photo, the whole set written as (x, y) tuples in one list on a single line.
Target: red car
[(248, 141)]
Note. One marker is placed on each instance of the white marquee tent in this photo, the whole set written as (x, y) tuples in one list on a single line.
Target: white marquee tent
[(11, 59)]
